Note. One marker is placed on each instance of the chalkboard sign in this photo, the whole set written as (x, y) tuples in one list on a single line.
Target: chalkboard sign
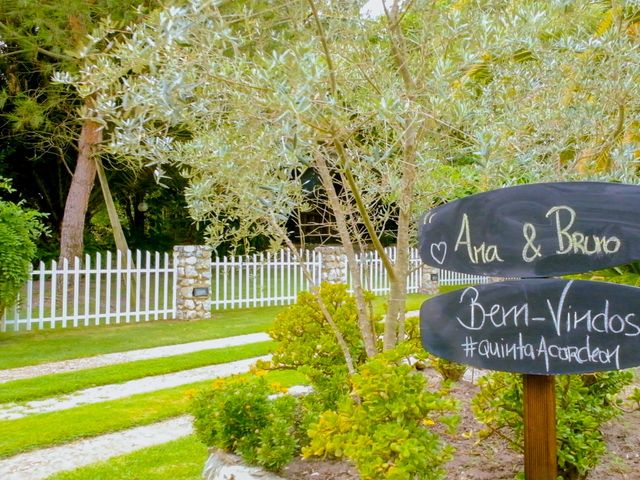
[(536, 326), (536, 230)]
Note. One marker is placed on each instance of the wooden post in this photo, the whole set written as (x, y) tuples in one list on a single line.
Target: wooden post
[(540, 462)]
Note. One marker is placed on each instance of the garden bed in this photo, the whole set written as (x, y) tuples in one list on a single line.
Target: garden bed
[(491, 459)]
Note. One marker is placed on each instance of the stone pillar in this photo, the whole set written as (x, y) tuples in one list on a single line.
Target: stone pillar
[(193, 285), (334, 264), (429, 284)]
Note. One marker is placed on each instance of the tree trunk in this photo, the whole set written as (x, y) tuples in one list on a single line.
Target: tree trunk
[(75, 210), (395, 321), (367, 330)]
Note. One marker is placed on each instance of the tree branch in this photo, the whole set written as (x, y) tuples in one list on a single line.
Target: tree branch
[(362, 209), (364, 322), (325, 48), (35, 46)]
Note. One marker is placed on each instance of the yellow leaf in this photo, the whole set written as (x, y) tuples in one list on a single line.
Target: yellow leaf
[(605, 23)]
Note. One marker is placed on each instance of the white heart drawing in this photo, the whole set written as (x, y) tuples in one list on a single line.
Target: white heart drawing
[(439, 252)]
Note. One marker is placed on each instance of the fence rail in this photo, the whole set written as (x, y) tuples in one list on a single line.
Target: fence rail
[(141, 286)]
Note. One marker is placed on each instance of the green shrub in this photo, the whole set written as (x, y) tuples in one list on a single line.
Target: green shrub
[(279, 440), (19, 228), (387, 427), (448, 370), (584, 403), (624, 274), (634, 398), (238, 416), (306, 339), (307, 342), (412, 333)]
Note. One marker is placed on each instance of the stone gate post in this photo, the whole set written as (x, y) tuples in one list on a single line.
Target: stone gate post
[(334, 264), (429, 283), (193, 283)]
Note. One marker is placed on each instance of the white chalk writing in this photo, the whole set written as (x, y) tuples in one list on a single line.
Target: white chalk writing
[(562, 239), (575, 335), (477, 315), (482, 253), (530, 251), (542, 349), (498, 315), (577, 242)]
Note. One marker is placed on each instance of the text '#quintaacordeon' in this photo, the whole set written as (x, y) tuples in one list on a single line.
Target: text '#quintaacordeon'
[(542, 349)]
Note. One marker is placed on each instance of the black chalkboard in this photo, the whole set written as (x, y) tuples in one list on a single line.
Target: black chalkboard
[(536, 230), (536, 326)]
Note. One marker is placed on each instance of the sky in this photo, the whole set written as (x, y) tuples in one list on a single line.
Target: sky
[(373, 8)]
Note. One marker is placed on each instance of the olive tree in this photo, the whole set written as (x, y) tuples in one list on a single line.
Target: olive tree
[(394, 114)]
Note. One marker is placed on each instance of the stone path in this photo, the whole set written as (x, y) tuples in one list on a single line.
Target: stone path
[(130, 356), (40, 464), (121, 390)]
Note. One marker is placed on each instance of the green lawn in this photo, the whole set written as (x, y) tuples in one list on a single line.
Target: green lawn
[(30, 348), (451, 288), (61, 383), (414, 300), (37, 431), (181, 459)]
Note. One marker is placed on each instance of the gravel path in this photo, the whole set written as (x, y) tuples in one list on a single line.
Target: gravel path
[(121, 390), (130, 356), (41, 464)]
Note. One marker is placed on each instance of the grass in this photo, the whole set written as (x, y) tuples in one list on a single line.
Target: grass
[(55, 428), (414, 301), (451, 288), (181, 459), (31, 348), (61, 383)]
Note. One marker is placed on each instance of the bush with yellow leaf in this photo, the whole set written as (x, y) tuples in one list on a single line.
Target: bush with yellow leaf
[(307, 343), (240, 415), (389, 425)]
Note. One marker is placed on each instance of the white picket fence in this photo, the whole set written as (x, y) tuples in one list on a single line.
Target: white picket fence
[(262, 279), (447, 277), (276, 278), (103, 289), (373, 275), (115, 288)]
